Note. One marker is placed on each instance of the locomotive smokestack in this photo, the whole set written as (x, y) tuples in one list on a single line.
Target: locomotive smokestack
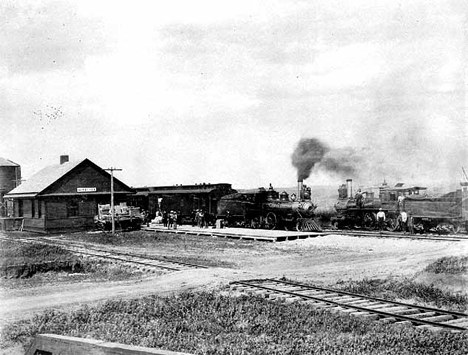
[(349, 188), (300, 192)]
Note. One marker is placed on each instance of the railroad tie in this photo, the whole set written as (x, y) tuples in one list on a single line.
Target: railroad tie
[(366, 315), (428, 327), (392, 309), (339, 309), (360, 303), (279, 296), (424, 315), (317, 304), (440, 318), (347, 310), (378, 306), (462, 322), (387, 320), (334, 298), (292, 299), (406, 311), (347, 299), (404, 323)]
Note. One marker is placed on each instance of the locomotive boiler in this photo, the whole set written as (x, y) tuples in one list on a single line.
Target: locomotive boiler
[(269, 209)]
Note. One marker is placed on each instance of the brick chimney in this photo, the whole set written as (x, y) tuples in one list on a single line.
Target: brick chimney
[(63, 159)]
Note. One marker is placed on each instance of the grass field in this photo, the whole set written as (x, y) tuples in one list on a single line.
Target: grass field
[(219, 323)]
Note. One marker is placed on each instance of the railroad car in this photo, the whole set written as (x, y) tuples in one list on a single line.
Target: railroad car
[(268, 209), (444, 214), (184, 199), (125, 217)]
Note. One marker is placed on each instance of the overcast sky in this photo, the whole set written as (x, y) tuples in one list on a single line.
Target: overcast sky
[(182, 92)]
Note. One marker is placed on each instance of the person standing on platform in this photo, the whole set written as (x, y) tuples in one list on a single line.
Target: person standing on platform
[(164, 218), (170, 219), (201, 216), (174, 219), (410, 224), (381, 219), (404, 221)]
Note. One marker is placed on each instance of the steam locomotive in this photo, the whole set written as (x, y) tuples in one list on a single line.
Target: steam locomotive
[(269, 209), (444, 214)]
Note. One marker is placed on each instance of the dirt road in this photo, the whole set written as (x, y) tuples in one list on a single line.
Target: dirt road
[(323, 260)]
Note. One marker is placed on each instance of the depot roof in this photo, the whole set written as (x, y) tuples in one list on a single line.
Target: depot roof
[(6, 162), (43, 179)]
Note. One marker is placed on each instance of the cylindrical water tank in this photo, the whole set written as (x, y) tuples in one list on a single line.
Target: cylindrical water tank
[(10, 176)]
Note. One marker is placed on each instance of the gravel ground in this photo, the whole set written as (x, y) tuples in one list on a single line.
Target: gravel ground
[(323, 260)]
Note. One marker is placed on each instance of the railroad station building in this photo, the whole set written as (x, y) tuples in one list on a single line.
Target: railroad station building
[(65, 196)]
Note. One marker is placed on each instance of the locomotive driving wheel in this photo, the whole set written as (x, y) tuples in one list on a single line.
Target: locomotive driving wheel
[(369, 220), (447, 228), (270, 220), (392, 223)]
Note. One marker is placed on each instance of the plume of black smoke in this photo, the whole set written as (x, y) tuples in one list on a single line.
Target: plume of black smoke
[(342, 162), (311, 153)]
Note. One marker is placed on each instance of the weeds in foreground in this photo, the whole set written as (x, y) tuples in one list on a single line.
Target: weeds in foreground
[(16, 253), (406, 289), (27, 265), (449, 265), (211, 323)]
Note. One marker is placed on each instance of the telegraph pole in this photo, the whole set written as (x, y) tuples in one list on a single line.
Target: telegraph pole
[(111, 169)]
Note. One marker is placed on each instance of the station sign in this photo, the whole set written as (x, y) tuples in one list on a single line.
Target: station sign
[(85, 189)]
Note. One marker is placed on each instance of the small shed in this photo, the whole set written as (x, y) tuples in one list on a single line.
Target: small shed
[(65, 197)]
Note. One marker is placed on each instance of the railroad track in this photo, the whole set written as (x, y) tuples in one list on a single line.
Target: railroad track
[(362, 233), (357, 305), (142, 262)]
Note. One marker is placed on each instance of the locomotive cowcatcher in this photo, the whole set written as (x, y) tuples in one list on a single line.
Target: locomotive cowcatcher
[(269, 209)]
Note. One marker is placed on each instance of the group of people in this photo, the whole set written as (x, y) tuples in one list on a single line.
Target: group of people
[(169, 219), (406, 221), (172, 219), (199, 219)]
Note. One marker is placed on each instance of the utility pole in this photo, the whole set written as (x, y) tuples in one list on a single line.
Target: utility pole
[(111, 169)]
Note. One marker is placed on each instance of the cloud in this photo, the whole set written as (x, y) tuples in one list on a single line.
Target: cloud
[(46, 36), (187, 85)]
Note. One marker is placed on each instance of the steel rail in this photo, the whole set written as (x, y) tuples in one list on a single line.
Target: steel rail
[(397, 236), (163, 259), (448, 237), (84, 252), (125, 260), (363, 309), (459, 314)]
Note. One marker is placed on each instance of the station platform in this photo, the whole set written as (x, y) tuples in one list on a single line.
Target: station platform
[(237, 233)]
